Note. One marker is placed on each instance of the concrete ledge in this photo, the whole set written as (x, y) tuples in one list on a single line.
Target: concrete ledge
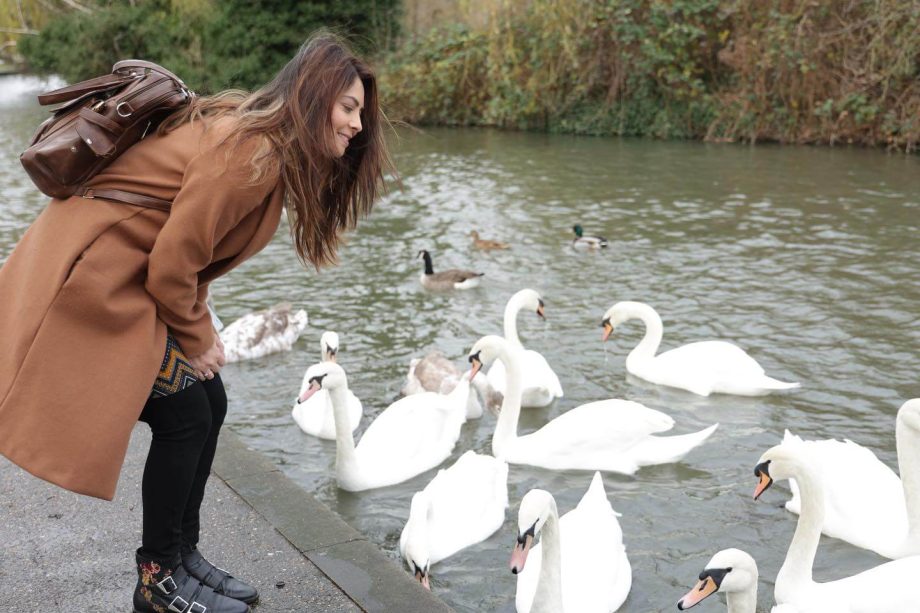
[(357, 567)]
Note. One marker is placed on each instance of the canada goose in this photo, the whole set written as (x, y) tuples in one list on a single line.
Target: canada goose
[(447, 279)]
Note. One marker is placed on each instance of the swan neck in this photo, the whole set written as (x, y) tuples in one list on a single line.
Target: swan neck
[(510, 322), (654, 330), (908, 458), (796, 571), (549, 585), (346, 460), (506, 426), (417, 524), (744, 601)]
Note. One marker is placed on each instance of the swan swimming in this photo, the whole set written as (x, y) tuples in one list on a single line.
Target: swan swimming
[(461, 506), (610, 435), (259, 334), (412, 435), (315, 415), (580, 564), (732, 572), (866, 504), (887, 588), (703, 368), (540, 385)]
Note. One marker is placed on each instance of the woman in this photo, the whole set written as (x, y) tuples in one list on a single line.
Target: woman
[(104, 300)]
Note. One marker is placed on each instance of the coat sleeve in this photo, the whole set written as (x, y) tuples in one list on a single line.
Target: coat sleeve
[(215, 195)]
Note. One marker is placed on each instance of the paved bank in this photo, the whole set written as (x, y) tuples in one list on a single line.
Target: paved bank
[(64, 552)]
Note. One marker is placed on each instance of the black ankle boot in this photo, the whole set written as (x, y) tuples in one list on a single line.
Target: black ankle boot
[(163, 587), (216, 578)]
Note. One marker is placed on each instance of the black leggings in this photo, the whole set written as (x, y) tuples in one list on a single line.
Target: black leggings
[(185, 428)]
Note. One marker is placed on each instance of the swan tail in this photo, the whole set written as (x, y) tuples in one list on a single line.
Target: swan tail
[(769, 383), (664, 449)]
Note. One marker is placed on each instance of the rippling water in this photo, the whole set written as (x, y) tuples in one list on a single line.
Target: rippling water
[(807, 258)]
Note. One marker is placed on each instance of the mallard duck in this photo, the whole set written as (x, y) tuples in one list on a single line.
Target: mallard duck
[(581, 241), (447, 279), (481, 243)]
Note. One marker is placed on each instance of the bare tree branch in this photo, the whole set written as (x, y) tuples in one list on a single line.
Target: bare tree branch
[(19, 31), (79, 7)]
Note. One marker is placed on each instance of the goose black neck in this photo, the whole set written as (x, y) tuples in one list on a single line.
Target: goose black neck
[(429, 269)]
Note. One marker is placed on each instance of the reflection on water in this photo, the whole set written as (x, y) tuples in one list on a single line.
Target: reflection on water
[(805, 257)]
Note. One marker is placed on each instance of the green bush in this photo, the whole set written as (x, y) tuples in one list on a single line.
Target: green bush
[(212, 46)]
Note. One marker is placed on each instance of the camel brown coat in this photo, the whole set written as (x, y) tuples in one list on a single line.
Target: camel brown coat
[(88, 293)]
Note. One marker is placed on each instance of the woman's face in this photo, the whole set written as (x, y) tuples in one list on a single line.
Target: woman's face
[(346, 116)]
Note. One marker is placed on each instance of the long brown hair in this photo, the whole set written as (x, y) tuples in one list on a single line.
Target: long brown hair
[(324, 194)]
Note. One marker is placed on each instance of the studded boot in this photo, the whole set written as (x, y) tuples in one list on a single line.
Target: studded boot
[(168, 587), (216, 578)]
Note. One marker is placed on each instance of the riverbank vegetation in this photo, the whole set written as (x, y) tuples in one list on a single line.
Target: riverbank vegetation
[(797, 71), (781, 70)]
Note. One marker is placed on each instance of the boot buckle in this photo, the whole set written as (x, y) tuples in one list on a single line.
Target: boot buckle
[(167, 585)]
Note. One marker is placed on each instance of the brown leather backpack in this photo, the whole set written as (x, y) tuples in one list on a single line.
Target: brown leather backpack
[(100, 119)]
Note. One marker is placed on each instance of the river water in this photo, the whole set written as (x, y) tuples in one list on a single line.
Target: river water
[(806, 257)]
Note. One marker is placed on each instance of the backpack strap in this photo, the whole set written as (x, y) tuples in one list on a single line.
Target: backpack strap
[(82, 88), (118, 195), (123, 64)]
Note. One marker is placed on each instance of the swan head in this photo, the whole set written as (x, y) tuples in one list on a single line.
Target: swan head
[(787, 460), (909, 414), (416, 553), (730, 570), (536, 508), (530, 299), (329, 345), (485, 351), (617, 314), (323, 376)]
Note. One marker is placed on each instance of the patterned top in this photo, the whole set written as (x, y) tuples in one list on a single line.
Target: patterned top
[(176, 373)]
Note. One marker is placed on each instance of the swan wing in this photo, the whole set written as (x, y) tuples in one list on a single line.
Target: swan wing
[(595, 569), (468, 502), (888, 588), (537, 373), (605, 427), (420, 429), (259, 334), (717, 357)]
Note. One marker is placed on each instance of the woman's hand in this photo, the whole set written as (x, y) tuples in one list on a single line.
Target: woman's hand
[(210, 362)]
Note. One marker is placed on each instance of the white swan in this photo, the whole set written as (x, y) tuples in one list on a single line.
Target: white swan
[(258, 334), (582, 567), (612, 435), (702, 368), (541, 385), (866, 504), (412, 435), (734, 573), (315, 415), (888, 588), (435, 373), (463, 505)]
